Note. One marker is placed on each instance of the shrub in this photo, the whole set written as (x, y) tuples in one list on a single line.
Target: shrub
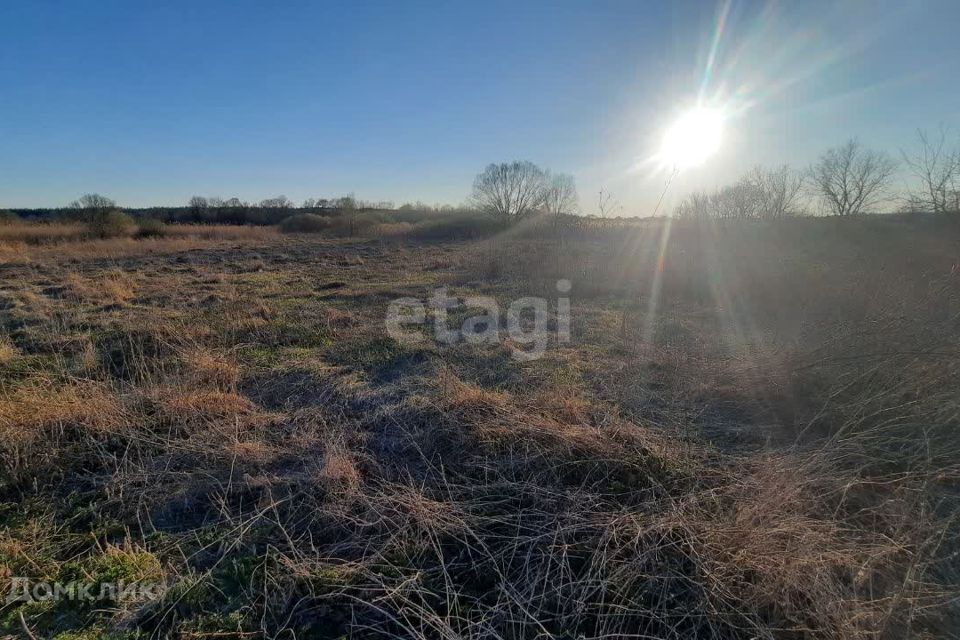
[(356, 224), (347, 224), (392, 229), (8, 217), (457, 227), (413, 215), (111, 223), (150, 228), (305, 223)]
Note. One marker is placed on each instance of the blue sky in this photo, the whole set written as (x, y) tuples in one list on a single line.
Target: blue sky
[(151, 103)]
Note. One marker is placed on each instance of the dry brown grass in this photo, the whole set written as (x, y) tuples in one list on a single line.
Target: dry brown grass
[(201, 405), (773, 455), (8, 351), (35, 233), (112, 287), (338, 468), (22, 243), (35, 418), (34, 407), (220, 232), (211, 369), (14, 253)]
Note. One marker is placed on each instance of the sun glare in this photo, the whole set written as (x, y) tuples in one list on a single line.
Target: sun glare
[(693, 138)]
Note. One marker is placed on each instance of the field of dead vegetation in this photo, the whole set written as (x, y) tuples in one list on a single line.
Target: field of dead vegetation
[(751, 433)]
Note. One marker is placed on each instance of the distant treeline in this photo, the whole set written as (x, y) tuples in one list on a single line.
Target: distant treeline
[(849, 179), (244, 214), (201, 210)]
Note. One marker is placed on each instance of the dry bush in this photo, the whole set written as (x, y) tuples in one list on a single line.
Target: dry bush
[(150, 228), (305, 223), (392, 229), (111, 223), (456, 227), (362, 224)]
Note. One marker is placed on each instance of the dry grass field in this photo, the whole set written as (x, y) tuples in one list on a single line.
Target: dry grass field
[(25, 242), (752, 433)]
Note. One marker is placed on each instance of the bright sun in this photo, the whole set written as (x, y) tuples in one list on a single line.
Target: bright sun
[(693, 138)]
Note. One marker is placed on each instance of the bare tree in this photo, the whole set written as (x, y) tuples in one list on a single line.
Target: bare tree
[(776, 191), (607, 206), (510, 190), (90, 207), (280, 202), (761, 194), (738, 201), (346, 204), (850, 179), (198, 205), (560, 195), (93, 203), (937, 167), (696, 206)]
